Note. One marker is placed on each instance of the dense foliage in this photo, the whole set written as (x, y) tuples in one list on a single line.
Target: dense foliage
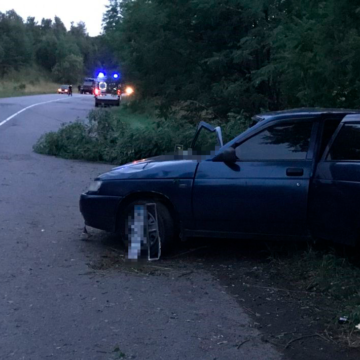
[(236, 56), (66, 55), (225, 57), (106, 137)]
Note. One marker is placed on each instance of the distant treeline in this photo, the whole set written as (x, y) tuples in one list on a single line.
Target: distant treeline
[(236, 56), (64, 55)]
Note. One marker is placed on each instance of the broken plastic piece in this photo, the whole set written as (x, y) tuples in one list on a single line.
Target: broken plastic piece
[(84, 235), (152, 233), (343, 320)]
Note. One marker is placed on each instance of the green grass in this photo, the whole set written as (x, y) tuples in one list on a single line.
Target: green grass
[(135, 120), (12, 90), (118, 354), (27, 81), (330, 274)]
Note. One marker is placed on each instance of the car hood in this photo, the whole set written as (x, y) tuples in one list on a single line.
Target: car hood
[(160, 167)]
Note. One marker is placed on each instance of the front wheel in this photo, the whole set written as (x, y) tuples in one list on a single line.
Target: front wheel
[(165, 224)]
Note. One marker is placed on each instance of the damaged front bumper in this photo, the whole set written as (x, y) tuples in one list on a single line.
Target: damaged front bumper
[(100, 212)]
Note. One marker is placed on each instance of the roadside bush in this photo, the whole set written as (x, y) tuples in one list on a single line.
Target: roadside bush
[(106, 137), (72, 141)]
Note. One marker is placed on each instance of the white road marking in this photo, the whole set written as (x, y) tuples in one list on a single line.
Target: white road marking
[(27, 108)]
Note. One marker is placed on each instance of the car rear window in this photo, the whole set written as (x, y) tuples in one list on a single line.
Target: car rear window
[(346, 146)]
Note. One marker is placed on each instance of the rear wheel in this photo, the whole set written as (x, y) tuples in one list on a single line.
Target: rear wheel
[(96, 104), (165, 224)]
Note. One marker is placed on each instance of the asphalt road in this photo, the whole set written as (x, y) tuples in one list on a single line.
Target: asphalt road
[(53, 306)]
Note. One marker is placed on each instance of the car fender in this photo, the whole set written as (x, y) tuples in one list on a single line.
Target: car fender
[(152, 196)]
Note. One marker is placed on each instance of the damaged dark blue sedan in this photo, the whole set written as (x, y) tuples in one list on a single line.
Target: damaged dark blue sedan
[(293, 175)]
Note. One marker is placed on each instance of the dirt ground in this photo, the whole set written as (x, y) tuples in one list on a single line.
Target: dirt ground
[(299, 323)]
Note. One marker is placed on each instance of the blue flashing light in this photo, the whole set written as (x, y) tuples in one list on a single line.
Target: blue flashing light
[(101, 75), (116, 76)]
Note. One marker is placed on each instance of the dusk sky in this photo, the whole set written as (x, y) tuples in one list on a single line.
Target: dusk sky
[(88, 11)]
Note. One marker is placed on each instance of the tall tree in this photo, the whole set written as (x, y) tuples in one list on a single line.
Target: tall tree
[(69, 70), (58, 28), (15, 42), (46, 51), (111, 16), (47, 45)]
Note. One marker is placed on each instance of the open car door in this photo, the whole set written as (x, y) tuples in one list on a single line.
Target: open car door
[(207, 127)]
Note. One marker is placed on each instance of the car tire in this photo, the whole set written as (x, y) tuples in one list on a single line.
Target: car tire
[(96, 104), (165, 223)]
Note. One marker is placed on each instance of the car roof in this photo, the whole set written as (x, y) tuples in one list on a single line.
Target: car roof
[(302, 112), (305, 113)]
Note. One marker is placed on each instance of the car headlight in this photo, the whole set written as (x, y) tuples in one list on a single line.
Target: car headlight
[(95, 186)]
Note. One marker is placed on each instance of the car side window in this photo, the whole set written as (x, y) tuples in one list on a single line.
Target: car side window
[(286, 141), (346, 146)]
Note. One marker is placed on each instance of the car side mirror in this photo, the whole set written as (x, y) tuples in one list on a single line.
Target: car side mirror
[(227, 156)]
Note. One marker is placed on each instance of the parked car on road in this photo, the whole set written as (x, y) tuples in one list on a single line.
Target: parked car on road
[(88, 86), (294, 175), (63, 89)]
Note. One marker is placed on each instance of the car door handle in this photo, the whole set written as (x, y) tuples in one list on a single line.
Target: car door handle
[(294, 172)]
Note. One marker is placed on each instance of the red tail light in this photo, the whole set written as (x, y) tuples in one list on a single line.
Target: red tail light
[(119, 92), (97, 91)]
